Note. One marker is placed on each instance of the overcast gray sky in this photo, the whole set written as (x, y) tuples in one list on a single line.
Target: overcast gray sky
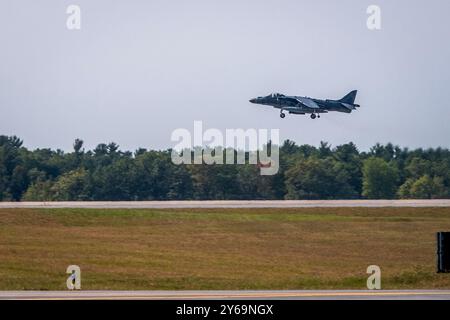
[(137, 70)]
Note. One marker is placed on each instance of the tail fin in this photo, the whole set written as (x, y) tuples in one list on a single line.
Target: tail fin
[(349, 98)]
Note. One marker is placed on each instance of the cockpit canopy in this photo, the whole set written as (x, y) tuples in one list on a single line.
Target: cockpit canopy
[(272, 96), (275, 95)]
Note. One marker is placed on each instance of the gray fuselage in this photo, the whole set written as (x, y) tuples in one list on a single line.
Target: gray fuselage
[(306, 105)]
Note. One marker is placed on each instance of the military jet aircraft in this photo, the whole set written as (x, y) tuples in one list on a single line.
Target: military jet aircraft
[(306, 105)]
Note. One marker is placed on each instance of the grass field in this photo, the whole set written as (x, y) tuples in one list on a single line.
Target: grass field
[(316, 248)]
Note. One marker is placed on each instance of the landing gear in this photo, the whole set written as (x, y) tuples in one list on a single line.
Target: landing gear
[(313, 116), (282, 115)]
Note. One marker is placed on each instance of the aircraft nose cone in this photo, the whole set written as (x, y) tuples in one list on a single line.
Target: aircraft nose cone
[(252, 100)]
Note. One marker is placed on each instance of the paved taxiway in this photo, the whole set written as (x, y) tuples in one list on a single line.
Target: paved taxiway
[(229, 204), (229, 295)]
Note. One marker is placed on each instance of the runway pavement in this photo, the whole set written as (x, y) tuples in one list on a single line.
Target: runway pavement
[(229, 295), (229, 204)]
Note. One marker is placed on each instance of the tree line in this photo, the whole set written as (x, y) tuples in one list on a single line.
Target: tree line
[(306, 172)]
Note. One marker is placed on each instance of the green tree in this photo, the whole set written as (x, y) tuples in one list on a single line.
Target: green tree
[(314, 178), (379, 179), (13, 178), (305, 172), (70, 186), (77, 145), (156, 177), (404, 192), (425, 187), (39, 191), (418, 167), (347, 156)]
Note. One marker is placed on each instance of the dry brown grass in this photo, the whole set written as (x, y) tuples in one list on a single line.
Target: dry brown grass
[(317, 248)]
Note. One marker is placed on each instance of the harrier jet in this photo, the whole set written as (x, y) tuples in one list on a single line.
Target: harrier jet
[(304, 105)]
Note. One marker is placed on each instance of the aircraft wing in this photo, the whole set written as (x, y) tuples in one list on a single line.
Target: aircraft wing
[(308, 102)]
